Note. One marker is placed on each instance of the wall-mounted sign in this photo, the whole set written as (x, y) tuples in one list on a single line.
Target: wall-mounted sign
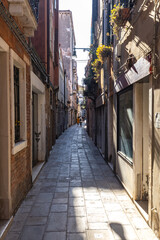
[(157, 120), (98, 235), (138, 71)]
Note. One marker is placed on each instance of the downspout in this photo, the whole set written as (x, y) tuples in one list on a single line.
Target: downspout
[(64, 98), (154, 43), (105, 86), (106, 127), (95, 123), (48, 37), (154, 213)]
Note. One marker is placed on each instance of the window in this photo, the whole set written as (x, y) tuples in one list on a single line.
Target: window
[(55, 4), (34, 4), (16, 104), (51, 97), (125, 123), (127, 3)]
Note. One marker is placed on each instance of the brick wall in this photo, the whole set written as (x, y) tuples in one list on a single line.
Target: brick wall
[(40, 37), (51, 63), (20, 176)]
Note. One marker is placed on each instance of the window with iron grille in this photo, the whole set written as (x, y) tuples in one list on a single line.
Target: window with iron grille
[(127, 3), (51, 97), (17, 104), (34, 4)]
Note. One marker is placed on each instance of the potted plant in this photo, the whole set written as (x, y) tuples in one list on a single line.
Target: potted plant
[(119, 16)]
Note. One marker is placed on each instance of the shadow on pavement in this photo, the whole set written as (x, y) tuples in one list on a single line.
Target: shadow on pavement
[(118, 229)]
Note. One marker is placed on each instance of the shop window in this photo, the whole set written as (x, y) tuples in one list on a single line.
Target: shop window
[(125, 123)]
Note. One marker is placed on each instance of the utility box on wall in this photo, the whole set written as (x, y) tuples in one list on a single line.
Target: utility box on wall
[(118, 50)]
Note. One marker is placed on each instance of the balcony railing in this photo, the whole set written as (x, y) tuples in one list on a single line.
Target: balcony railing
[(34, 4)]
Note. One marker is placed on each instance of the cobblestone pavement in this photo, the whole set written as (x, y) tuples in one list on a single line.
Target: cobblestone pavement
[(77, 197)]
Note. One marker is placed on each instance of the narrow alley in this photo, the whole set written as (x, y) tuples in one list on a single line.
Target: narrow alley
[(77, 197)]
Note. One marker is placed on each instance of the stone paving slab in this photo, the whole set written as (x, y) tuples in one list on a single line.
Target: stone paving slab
[(54, 236), (78, 236), (32, 233), (77, 197)]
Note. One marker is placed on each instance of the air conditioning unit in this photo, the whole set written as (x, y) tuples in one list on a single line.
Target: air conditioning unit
[(118, 50)]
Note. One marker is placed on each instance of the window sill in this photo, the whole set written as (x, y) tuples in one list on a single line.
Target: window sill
[(127, 159), (19, 146)]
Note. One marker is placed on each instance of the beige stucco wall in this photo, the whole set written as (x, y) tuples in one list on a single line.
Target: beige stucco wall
[(156, 163), (136, 37)]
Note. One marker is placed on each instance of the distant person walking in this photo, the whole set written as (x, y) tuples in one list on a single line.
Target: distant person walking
[(78, 120)]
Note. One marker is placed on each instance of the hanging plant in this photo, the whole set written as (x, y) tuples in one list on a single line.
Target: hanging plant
[(119, 16), (102, 52), (96, 67), (97, 64)]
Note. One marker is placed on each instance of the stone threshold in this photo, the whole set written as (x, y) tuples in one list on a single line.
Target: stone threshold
[(4, 227), (36, 170), (139, 205)]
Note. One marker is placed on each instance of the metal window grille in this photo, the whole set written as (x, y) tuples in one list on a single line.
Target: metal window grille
[(51, 97), (127, 3), (34, 5), (17, 104)]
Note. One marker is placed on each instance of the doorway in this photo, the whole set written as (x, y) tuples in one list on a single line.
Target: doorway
[(34, 128), (142, 149), (5, 173), (110, 157)]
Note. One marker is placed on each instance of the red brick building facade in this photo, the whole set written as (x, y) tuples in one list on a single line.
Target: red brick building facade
[(15, 161), (26, 100)]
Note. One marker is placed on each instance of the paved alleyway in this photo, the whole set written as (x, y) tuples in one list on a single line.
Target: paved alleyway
[(77, 197)]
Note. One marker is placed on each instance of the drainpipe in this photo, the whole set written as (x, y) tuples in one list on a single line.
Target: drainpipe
[(106, 128), (95, 123), (64, 96), (154, 43), (48, 37), (153, 210), (105, 87)]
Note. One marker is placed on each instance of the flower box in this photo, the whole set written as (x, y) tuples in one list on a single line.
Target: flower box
[(119, 17)]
